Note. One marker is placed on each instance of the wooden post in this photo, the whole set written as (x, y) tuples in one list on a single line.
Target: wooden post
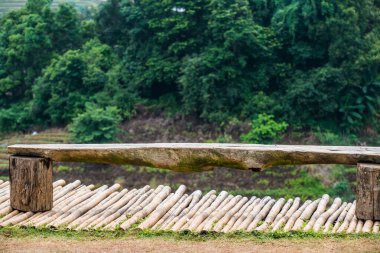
[(31, 180), (368, 191)]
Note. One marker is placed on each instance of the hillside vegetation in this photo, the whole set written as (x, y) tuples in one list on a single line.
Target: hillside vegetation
[(284, 65)]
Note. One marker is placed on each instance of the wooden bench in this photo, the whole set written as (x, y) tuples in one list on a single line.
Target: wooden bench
[(31, 165)]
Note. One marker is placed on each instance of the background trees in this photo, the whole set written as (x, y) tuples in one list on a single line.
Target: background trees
[(313, 64)]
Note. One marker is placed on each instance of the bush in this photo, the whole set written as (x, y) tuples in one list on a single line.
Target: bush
[(264, 129), (96, 125)]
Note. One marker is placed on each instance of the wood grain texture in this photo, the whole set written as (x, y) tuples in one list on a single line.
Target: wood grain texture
[(31, 181), (190, 157), (368, 185)]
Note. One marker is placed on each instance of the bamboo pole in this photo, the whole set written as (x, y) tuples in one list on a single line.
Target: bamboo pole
[(352, 226), (284, 210), (198, 219), (376, 227), (290, 223), (261, 215), (320, 209), (240, 205), (272, 214), (341, 217), (227, 209), (367, 227), (256, 210), (306, 214), (191, 211), (334, 217), (147, 209), (324, 216), (245, 213), (163, 209), (283, 220), (177, 212), (221, 226), (347, 219)]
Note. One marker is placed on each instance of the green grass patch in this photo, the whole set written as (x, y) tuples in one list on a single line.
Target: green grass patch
[(37, 233)]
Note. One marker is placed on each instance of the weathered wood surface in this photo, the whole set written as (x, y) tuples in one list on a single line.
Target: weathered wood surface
[(31, 181), (368, 192), (200, 157)]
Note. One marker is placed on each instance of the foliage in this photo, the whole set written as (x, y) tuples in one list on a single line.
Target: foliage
[(311, 64), (96, 125), (264, 129)]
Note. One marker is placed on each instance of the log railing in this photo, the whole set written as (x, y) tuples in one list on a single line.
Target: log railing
[(31, 165)]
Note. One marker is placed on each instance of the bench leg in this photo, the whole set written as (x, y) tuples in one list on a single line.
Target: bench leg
[(368, 191), (31, 182)]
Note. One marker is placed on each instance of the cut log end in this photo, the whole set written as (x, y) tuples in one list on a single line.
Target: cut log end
[(31, 180)]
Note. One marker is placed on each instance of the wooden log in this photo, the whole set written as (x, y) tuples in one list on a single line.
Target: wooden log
[(368, 191), (31, 182), (199, 156)]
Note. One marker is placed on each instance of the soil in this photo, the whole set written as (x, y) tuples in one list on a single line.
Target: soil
[(167, 245)]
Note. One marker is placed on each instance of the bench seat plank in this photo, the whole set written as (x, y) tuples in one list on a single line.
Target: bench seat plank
[(191, 157)]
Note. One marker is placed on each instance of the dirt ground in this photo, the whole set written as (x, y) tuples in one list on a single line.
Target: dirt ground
[(165, 245)]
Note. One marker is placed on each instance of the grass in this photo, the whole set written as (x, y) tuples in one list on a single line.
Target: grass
[(40, 233)]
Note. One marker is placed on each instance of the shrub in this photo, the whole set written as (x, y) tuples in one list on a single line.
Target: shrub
[(96, 124), (264, 129)]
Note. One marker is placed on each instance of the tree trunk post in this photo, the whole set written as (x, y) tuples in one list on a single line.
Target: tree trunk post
[(31, 182), (368, 191)]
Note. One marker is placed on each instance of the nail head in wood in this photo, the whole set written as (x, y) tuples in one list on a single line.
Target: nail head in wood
[(31, 182)]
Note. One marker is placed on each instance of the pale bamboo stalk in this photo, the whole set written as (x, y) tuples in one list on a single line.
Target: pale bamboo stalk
[(185, 199), (367, 227), (59, 182), (5, 210), (139, 204), (89, 221), (99, 197), (347, 219), (236, 213), (67, 189), (334, 217), (283, 220), (3, 199), (256, 210), (18, 218), (359, 226), (161, 210), (341, 217), (225, 216), (111, 217), (229, 208), (209, 221), (52, 215), (320, 209), (191, 211), (272, 214), (324, 216), (353, 224), (8, 216), (284, 210), (306, 214), (241, 217), (376, 227), (261, 215), (147, 209), (180, 211), (289, 224), (120, 215), (206, 205), (198, 219)]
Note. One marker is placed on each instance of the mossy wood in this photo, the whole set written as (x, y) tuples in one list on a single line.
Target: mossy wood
[(191, 157)]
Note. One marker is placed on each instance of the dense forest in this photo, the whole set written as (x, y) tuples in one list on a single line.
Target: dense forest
[(282, 64)]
